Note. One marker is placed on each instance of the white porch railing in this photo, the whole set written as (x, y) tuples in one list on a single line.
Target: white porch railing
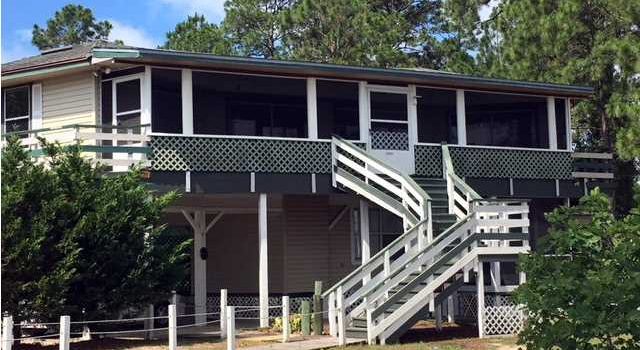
[(460, 194), (116, 146)]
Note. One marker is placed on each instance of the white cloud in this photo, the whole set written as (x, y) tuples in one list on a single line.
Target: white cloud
[(213, 10), (486, 10), (131, 35), (18, 46)]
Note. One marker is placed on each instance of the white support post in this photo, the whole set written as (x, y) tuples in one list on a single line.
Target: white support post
[(342, 337), (363, 111), (285, 319), (148, 323), (223, 312), (370, 338), (480, 286), (65, 330), (567, 108), (365, 247), (461, 118), (412, 118), (145, 105), (173, 328), (231, 328), (332, 314), (7, 332), (200, 267), (263, 277), (312, 109), (187, 102), (551, 123)]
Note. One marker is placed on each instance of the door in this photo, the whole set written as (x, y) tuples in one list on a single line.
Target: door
[(389, 127), (127, 110)]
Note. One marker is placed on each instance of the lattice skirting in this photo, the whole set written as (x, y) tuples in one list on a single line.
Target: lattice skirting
[(502, 316), (248, 305)]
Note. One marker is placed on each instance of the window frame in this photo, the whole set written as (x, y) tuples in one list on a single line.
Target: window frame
[(114, 96), (29, 116)]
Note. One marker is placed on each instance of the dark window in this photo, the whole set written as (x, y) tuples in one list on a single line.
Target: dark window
[(107, 103), (166, 97), (561, 123), (506, 120), (16, 110), (436, 115), (249, 105), (338, 111), (128, 96)]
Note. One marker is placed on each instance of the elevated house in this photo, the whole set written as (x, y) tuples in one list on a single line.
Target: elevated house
[(409, 193)]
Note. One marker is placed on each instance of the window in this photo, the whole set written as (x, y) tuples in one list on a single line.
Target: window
[(384, 228), (561, 122), (166, 99), (338, 109), (128, 102), (16, 110), (249, 105), (436, 115), (506, 120)]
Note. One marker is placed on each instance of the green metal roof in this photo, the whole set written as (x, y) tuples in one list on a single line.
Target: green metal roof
[(323, 70)]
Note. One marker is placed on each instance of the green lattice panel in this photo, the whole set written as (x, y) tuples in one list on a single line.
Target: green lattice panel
[(506, 163), (182, 153), (428, 160)]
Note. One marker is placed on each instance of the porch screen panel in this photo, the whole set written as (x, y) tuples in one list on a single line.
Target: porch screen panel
[(506, 120), (338, 111), (561, 123), (436, 115), (166, 100), (233, 104)]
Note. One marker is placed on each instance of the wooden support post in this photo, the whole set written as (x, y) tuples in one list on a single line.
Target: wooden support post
[(450, 309), (231, 328), (365, 248), (305, 310), (65, 330), (332, 314), (263, 278), (370, 338), (480, 286), (7, 332), (173, 328), (223, 313), (438, 316), (342, 337), (317, 308), (148, 324), (286, 331)]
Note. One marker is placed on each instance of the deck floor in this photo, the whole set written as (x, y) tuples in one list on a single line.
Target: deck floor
[(313, 343)]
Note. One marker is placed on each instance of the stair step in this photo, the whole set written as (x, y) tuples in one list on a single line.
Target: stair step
[(357, 333)]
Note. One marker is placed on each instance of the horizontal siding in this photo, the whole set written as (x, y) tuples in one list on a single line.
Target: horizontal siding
[(340, 264), (68, 100)]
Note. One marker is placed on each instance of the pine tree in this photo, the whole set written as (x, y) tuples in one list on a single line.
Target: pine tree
[(74, 24)]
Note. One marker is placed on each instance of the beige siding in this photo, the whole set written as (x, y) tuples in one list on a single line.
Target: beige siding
[(69, 100)]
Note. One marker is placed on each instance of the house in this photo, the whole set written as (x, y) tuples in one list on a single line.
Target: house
[(409, 193)]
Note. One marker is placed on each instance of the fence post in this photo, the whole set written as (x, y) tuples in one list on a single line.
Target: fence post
[(305, 310), (223, 313), (332, 314), (65, 329), (317, 308), (149, 324), (285, 319), (231, 327), (342, 338), (173, 328), (7, 332)]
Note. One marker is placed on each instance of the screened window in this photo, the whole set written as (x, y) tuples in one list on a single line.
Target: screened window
[(16, 110), (561, 123), (436, 115), (249, 105), (166, 100), (506, 120), (338, 111)]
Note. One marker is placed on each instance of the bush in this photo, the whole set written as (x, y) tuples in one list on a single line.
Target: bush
[(295, 324)]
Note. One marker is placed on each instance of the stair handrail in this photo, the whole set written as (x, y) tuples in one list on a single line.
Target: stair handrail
[(460, 194), (413, 197), (480, 218)]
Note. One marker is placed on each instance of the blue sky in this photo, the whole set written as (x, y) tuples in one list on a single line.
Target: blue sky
[(141, 23), (136, 22)]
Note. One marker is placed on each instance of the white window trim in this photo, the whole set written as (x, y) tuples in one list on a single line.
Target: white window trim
[(114, 97), (4, 107)]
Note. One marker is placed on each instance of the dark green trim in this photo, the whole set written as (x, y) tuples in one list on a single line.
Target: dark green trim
[(115, 149)]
